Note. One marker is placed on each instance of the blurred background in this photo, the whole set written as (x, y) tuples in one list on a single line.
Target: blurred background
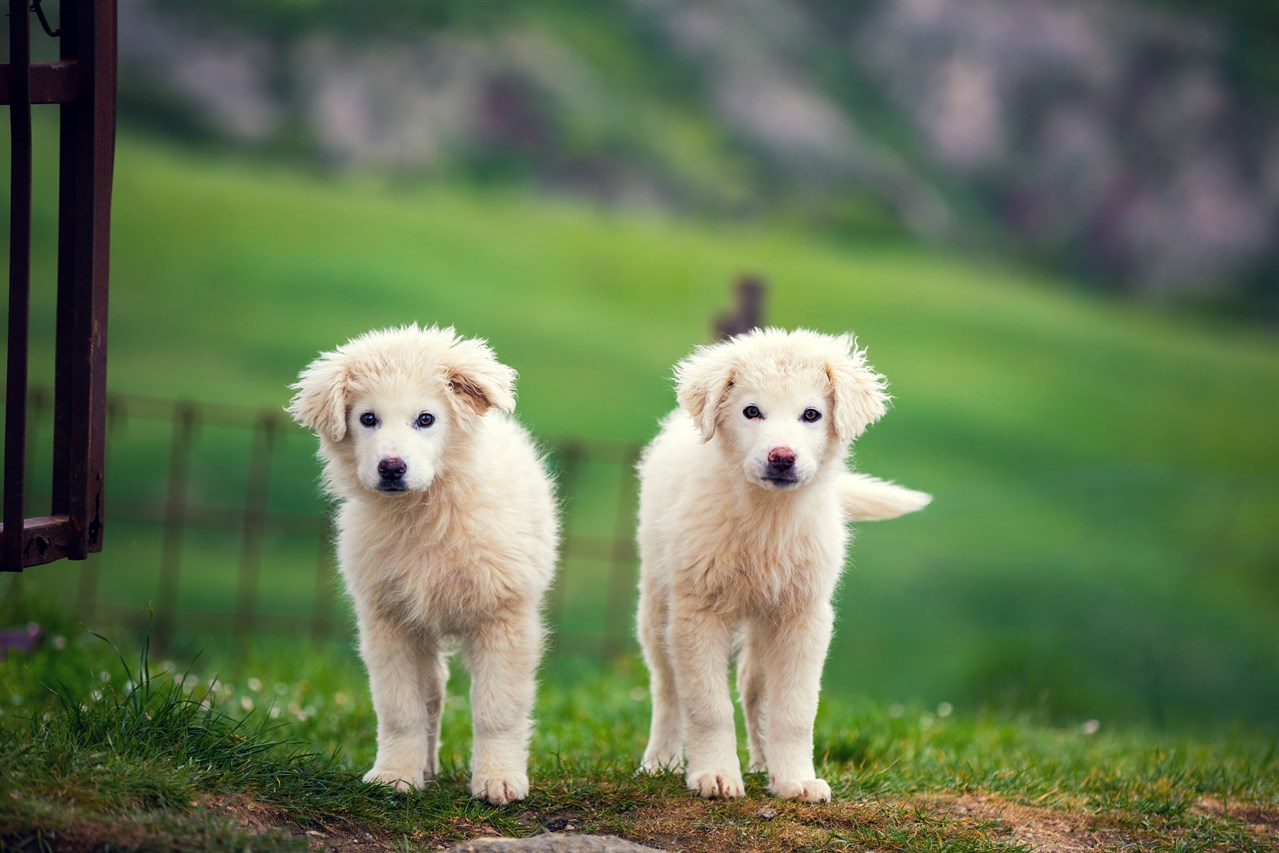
[(1053, 224)]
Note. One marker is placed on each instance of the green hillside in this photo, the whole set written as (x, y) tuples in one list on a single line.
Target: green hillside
[(1103, 540)]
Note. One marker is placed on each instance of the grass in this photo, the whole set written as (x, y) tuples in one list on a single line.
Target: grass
[(103, 752), (1102, 543)]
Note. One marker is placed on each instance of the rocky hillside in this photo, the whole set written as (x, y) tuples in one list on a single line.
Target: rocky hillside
[(1119, 140)]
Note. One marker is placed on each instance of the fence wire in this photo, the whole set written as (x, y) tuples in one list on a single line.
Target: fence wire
[(202, 492)]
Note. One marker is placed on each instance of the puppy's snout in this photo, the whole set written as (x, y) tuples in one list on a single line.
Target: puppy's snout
[(392, 469), (781, 459)]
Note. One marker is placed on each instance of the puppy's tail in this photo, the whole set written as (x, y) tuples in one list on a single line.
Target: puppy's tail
[(867, 498)]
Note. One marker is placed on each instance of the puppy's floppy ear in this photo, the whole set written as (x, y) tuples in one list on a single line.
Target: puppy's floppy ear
[(320, 401), (478, 378), (702, 384), (859, 395)]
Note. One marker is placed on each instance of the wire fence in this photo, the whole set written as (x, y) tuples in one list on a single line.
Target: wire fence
[(190, 484)]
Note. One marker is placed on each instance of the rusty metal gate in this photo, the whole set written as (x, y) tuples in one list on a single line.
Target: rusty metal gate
[(83, 83)]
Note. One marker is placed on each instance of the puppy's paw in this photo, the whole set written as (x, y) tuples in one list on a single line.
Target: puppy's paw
[(400, 780), (500, 788), (804, 790), (656, 763), (716, 784), (757, 765)]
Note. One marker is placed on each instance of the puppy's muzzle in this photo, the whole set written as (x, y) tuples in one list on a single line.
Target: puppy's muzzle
[(780, 469), (392, 470)]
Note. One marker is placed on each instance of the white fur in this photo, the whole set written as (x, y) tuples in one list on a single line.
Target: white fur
[(729, 555), (463, 554)]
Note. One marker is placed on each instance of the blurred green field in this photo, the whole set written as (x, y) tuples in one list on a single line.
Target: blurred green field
[(1103, 542)]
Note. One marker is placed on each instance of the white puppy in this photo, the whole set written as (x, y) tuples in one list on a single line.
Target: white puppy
[(744, 495), (446, 533)]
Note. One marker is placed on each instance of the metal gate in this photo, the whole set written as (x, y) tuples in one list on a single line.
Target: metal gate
[(83, 83)]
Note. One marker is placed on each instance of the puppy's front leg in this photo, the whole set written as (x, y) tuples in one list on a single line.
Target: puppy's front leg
[(434, 688), (700, 646), (503, 657), (794, 650), (400, 664)]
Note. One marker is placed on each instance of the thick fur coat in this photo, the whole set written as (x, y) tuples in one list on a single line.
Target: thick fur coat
[(447, 536), (744, 499)]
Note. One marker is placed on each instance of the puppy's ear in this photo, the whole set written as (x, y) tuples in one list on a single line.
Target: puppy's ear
[(478, 379), (702, 383), (859, 395), (320, 401)]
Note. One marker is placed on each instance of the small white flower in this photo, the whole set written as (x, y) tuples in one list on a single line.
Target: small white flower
[(895, 710), (281, 688), (275, 713), (926, 721), (945, 709), (104, 677), (255, 685), (246, 703), (1090, 727), (59, 642)]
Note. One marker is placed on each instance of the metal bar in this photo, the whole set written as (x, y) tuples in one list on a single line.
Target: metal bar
[(42, 539), (322, 605), (184, 423), (87, 149), (15, 424), (87, 596), (217, 517), (571, 453), (251, 540), (623, 557), (51, 82)]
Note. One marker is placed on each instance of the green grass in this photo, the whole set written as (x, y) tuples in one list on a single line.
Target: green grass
[(1102, 542), (104, 751)]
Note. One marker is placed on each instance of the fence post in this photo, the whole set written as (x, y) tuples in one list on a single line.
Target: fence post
[(15, 432), (747, 314), (323, 602), (254, 523), (571, 454), (185, 418), (623, 556)]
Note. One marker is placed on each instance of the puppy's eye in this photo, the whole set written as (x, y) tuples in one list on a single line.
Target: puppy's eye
[(425, 419), (368, 419), (751, 412), (811, 416)]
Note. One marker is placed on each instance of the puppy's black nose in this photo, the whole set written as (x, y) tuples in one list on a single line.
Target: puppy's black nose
[(781, 458), (392, 468)]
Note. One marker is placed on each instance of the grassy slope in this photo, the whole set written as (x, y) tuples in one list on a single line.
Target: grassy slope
[(1101, 544), (116, 759)]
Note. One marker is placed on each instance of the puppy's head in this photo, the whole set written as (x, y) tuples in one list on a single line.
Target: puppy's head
[(393, 408), (781, 404)]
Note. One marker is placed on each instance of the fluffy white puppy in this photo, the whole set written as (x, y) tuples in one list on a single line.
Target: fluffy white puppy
[(447, 535), (744, 495)]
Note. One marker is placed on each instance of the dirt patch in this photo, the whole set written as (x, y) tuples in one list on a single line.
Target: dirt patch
[(1058, 829), (1035, 827), (973, 819), (1262, 822)]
